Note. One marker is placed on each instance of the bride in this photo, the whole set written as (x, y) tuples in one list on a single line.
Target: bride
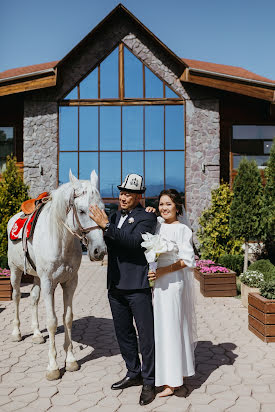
[(174, 312)]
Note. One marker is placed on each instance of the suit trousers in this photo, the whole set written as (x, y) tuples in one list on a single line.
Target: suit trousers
[(127, 305)]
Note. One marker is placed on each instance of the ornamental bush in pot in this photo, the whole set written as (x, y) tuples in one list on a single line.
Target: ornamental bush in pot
[(251, 281)]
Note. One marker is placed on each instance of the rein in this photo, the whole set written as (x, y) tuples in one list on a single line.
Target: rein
[(83, 238)]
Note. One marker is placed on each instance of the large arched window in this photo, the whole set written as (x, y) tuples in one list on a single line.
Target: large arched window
[(121, 118)]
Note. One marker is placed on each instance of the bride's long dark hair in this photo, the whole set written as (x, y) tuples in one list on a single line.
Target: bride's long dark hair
[(174, 196)]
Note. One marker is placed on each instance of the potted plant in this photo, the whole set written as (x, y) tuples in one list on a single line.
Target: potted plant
[(251, 280), (5, 284), (261, 312), (215, 280)]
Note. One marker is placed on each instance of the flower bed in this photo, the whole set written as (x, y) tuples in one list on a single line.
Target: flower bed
[(5, 285), (215, 280), (251, 282)]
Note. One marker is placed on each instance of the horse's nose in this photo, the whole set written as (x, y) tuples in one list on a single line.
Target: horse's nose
[(99, 254)]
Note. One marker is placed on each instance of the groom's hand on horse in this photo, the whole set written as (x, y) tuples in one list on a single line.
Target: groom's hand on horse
[(150, 209), (99, 216)]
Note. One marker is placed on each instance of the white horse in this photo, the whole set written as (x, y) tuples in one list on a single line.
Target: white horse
[(56, 252)]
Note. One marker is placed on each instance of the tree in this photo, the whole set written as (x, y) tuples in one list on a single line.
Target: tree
[(13, 192), (269, 204), (214, 234), (246, 212)]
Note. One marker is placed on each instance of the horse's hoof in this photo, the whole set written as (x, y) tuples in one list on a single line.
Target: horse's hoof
[(16, 338), (38, 339), (72, 366), (53, 375)]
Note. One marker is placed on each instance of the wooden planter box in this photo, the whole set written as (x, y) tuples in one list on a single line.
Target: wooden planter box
[(218, 284), (5, 288), (245, 290), (197, 274), (261, 317)]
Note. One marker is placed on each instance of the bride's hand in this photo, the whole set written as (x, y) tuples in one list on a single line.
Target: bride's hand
[(150, 209), (152, 275)]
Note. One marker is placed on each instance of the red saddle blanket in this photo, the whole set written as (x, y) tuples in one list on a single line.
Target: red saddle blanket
[(18, 226)]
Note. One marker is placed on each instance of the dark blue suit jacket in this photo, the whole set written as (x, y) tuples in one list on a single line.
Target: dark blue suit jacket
[(127, 266)]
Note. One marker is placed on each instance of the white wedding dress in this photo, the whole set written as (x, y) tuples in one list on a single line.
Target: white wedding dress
[(174, 311)]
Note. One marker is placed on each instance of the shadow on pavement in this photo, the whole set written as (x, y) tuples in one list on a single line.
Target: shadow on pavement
[(209, 357)]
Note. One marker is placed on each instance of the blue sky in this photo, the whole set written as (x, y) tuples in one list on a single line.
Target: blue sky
[(235, 32)]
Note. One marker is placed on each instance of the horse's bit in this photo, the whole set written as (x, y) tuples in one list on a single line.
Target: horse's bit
[(83, 238)]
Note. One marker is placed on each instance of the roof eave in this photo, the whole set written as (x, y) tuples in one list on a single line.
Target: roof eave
[(23, 76)]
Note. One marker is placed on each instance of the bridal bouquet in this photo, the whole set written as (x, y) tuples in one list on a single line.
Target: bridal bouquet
[(155, 245)]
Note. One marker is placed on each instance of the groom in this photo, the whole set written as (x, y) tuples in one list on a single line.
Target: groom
[(128, 288)]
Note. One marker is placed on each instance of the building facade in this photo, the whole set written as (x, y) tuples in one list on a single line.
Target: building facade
[(121, 102)]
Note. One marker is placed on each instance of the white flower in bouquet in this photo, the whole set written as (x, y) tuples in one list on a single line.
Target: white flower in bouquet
[(155, 245)]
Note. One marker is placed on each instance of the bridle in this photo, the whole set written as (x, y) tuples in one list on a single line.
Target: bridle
[(83, 238)]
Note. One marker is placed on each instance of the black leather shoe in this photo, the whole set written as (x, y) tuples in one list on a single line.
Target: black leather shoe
[(127, 382), (147, 395)]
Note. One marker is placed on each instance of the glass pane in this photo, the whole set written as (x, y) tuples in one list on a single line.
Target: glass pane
[(174, 127), (88, 88), (261, 160), (133, 78), (253, 132), (72, 95), (88, 128), (154, 127), (132, 162), (109, 76), (68, 128), (110, 208), (110, 174), (267, 146), (154, 173), (170, 93), (153, 85), (174, 169), (132, 128), (67, 161), (110, 128), (87, 163), (6, 145)]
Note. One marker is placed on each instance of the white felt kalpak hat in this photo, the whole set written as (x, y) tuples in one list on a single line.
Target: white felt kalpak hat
[(133, 183)]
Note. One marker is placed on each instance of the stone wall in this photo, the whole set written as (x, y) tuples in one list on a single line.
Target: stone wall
[(40, 146)]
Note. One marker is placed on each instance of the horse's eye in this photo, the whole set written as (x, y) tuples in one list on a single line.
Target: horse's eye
[(81, 211)]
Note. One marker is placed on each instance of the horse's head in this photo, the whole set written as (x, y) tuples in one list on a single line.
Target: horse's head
[(85, 193)]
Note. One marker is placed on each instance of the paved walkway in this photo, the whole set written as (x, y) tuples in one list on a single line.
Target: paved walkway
[(235, 370)]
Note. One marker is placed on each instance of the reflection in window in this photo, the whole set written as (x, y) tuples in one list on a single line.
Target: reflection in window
[(6, 145), (174, 127), (253, 132), (110, 128), (68, 128), (154, 127), (132, 162), (133, 78), (110, 174), (87, 163), (88, 128), (109, 76), (89, 86), (170, 93), (153, 85), (154, 173), (72, 95), (260, 160), (67, 161), (132, 128), (174, 170)]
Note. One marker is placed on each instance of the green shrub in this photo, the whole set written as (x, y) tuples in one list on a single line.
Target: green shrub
[(264, 266), (214, 233), (252, 278), (233, 262), (269, 205), (4, 262), (13, 192), (268, 290)]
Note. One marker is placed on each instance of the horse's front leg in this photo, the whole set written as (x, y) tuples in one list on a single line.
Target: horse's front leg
[(68, 293), (48, 296), (16, 275), (35, 295)]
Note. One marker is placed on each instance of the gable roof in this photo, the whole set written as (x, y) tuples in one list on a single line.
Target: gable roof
[(20, 72)]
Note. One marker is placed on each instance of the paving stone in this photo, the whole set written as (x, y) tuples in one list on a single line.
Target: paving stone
[(47, 392), (63, 400), (265, 397), (213, 389), (245, 404)]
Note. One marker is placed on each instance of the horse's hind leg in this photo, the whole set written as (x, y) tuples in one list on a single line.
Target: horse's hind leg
[(35, 295), (68, 292), (16, 275)]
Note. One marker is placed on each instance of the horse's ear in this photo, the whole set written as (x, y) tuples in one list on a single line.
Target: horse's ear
[(94, 179), (74, 181)]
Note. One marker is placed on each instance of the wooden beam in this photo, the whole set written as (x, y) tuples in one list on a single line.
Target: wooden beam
[(259, 92), (117, 102), (26, 85)]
